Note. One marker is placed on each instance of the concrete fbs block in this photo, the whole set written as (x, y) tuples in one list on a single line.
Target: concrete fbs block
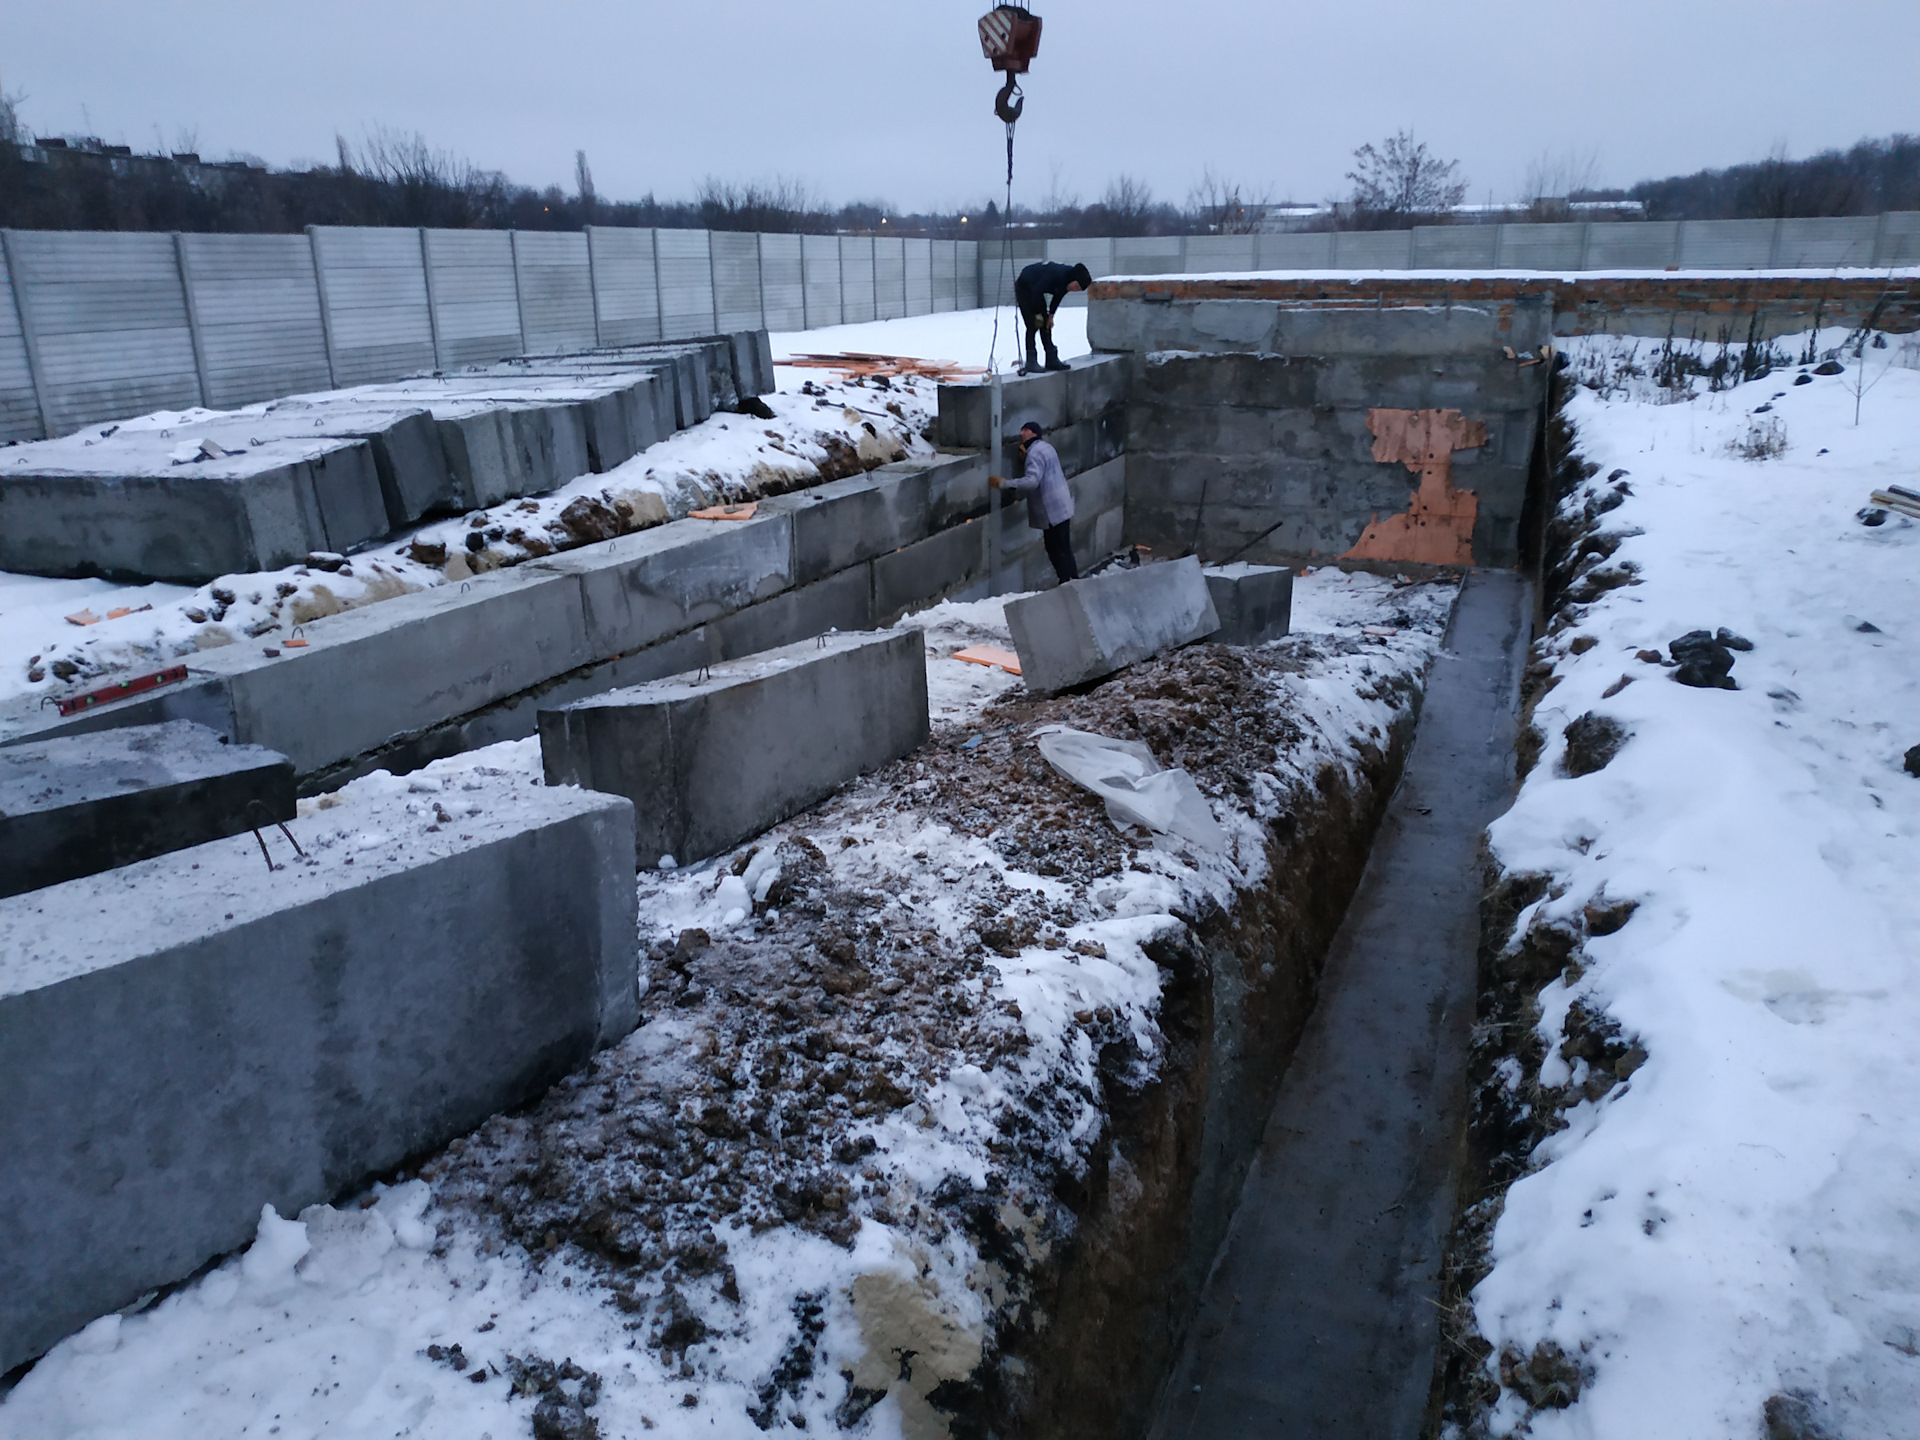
[(1090, 385), (843, 601), (642, 588), (376, 674), (187, 1039), (85, 803), (847, 521), (128, 510), (1254, 602), (408, 458), (956, 488), (1089, 628), (710, 759)]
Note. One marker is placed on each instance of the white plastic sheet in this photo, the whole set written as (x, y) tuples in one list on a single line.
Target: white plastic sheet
[(1137, 791)]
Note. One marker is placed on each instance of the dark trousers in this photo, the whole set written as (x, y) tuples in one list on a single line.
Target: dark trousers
[(1060, 550), (1039, 323)]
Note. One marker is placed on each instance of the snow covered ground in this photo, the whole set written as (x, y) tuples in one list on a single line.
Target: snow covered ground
[(965, 337), (761, 1274), (1724, 1238)]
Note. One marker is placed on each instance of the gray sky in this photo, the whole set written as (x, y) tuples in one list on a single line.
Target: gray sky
[(893, 100)]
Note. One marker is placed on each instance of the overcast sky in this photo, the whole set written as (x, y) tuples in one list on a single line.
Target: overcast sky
[(893, 100)]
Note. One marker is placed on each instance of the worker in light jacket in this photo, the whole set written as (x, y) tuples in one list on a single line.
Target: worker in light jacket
[(1049, 501)]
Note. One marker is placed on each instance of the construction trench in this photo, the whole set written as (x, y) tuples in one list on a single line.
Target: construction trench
[(1207, 1194)]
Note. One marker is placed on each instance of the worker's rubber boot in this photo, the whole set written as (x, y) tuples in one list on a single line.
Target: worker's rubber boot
[(1054, 362), (1033, 362)]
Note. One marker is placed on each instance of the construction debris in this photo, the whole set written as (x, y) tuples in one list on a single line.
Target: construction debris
[(860, 365)]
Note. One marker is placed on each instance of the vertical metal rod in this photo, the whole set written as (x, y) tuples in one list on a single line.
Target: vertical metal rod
[(995, 419)]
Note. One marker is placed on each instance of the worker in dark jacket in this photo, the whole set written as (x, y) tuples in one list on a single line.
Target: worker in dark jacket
[(1038, 292), (1049, 501)]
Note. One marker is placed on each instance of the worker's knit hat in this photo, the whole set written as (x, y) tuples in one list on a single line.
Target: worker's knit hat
[(1082, 274)]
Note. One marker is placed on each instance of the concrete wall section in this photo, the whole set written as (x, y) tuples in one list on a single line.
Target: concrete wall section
[(966, 259), (104, 316), (856, 279), (476, 296), (944, 260), (373, 297), (19, 401), (736, 280), (556, 291), (709, 759), (782, 292), (889, 277), (256, 315), (919, 276), (1260, 441), (684, 262), (277, 1040), (626, 293), (820, 256)]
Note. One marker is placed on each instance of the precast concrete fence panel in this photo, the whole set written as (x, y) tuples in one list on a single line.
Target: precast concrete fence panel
[(1158, 254), (1899, 238), (1000, 265), (1440, 247), (626, 292), (943, 275), (889, 277), (104, 316), (1723, 244), (19, 404), (255, 311), (783, 301), (1847, 240), (856, 278), (476, 296), (820, 279), (736, 280), (1539, 247), (1294, 252), (1633, 244), (1373, 250), (556, 291), (966, 259), (919, 279), (684, 263), (373, 297), (1203, 254)]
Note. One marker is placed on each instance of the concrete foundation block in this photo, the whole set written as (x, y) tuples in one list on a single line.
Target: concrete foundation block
[(376, 674), (1091, 384), (249, 1039), (956, 488), (641, 588), (1254, 602), (1090, 628), (843, 601), (128, 511), (709, 760), (409, 460), (202, 698), (845, 522), (920, 574), (82, 804)]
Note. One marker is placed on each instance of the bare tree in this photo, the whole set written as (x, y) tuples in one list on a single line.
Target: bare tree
[(583, 180), (1127, 206), (1551, 180), (1224, 207), (1402, 177), (11, 130)]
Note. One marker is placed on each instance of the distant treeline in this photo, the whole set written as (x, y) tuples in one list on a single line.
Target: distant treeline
[(1872, 176)]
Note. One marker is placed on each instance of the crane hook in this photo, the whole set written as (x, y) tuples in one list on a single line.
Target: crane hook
[(1011, 100)]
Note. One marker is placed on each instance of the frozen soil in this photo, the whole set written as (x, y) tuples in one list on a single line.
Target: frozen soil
[(941, 1018)]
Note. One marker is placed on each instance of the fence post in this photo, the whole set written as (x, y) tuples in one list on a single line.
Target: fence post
[(659, 302), (1773, 244), (1586, 245), (593, 287), (184, 268), (806, 323), (1879, 239), (326, 310), (519, 300), (29, 337), (433, 300)]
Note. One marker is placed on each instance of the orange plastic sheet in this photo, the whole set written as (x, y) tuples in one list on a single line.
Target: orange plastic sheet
[(991, 655)]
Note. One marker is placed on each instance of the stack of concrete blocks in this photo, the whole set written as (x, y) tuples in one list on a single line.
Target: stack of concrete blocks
[(1247, 433), (712, 757), (338, 470), (81, 804), (445, 669), (1090, 628), (1084, 411), (189, 1038), (1254, 602)]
